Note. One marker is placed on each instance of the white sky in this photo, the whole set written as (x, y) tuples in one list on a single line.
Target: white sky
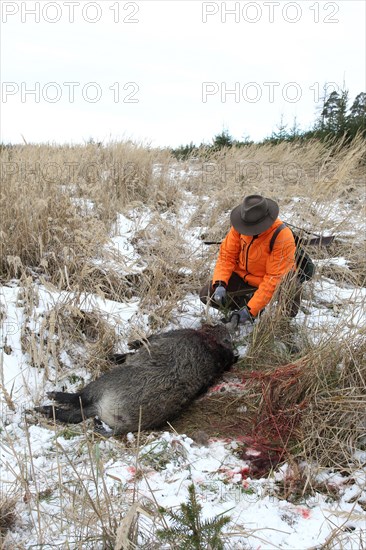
[(277, 55)]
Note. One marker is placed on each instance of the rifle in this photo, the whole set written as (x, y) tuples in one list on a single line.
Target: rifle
[(315, 240)]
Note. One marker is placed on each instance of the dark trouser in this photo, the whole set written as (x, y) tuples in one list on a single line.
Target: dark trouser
[(239, 293)]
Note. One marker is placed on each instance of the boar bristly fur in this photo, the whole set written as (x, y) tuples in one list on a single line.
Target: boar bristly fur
[(160, 380)]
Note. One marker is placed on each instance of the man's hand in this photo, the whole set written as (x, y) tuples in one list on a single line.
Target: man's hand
[(219, 296), (243, 316)]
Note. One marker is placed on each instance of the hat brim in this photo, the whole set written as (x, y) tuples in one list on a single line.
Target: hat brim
[(254, 229)]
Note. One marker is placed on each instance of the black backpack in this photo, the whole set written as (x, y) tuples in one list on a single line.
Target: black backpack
[(304, 264)]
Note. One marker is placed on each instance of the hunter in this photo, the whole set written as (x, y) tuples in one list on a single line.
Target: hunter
[(250, 266)]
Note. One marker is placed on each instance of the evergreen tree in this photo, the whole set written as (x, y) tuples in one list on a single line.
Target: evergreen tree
[(334, 113), (188, 531), (184, 151), (295, 131), (334, 120), (281, 134), (222, 140), (358, 109), (356, 120)]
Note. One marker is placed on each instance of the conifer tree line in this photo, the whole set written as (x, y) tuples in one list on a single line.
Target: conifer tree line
[(337, 119)]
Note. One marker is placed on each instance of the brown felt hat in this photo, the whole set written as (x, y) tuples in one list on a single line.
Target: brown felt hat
[(254, 215)]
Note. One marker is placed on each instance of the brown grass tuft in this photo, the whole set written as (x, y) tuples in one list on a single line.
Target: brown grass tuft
[(316, 405), (8, 516)]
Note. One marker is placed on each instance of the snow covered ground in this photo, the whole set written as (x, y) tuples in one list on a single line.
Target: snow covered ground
[(68, 482)]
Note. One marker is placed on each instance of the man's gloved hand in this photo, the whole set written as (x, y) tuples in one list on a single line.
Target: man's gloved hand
[(243, 316), (219, 296)]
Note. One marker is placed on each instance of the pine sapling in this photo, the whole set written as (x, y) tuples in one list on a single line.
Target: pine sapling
[(187, 529)]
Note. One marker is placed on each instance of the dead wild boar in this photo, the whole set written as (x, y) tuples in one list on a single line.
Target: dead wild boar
[(159, 379)]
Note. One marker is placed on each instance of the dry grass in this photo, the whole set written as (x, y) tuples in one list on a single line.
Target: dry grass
[(8, 516), (334, 421), (60, 208), (315, 405), (220, 415), (65, 199), (59, 204), (70, 335), (313, 408)]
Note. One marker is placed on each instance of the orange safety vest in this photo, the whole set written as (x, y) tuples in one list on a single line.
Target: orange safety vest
[(251, 259)]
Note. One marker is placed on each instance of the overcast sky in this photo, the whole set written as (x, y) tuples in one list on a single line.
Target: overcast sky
[(171, 72)]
